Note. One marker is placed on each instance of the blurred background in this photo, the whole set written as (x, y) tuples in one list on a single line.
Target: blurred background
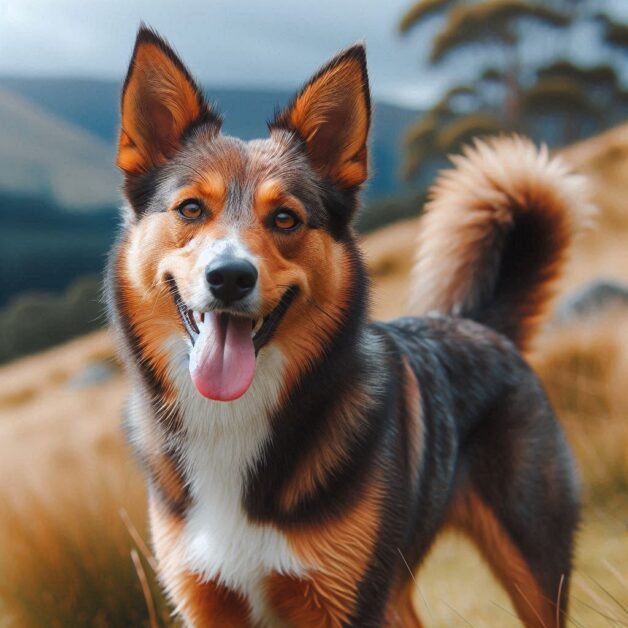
[(72, 522)]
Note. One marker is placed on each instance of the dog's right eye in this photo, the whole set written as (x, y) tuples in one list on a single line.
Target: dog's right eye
[(190, 210)]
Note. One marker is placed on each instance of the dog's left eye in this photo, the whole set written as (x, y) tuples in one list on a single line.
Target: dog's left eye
[(285, 220), (190, 209)]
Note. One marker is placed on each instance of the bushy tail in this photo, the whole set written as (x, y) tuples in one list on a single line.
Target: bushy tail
[(495, 235)]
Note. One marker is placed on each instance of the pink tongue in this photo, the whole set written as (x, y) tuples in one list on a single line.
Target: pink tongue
[(222, 362)]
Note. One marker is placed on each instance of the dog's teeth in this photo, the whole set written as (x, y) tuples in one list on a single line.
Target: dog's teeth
[(256, 325), (198, 317)]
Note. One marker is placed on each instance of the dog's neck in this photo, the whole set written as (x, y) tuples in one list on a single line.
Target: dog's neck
[(335, 401), (265, 436)]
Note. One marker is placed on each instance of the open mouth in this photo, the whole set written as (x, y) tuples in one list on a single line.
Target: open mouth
[(225, 345)]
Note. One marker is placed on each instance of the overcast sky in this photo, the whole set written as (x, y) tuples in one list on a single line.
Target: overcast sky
[(225, 42)]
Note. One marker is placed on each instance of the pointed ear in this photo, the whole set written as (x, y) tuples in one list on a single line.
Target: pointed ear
[(331, 114), (159, 101)]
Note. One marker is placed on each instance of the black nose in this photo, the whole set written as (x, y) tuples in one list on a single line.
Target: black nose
[(230, 278)]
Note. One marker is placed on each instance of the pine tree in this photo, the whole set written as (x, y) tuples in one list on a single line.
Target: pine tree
[(514, 87)]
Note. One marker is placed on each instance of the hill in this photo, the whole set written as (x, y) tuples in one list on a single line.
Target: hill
[(44, 156)]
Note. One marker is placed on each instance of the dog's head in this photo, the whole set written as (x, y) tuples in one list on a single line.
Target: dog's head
[(235, 244)]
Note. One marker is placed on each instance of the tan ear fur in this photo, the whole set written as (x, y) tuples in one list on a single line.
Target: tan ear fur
[(159, 101), (331, 114)]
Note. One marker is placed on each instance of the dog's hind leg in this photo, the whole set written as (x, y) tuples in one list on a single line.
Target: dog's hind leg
[(478, 521), (517, 499)]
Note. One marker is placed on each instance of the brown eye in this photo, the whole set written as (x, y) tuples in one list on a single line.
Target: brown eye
[(190, 210), (285, 220)]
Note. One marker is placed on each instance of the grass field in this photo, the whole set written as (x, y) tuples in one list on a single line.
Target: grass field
[(72, 501)]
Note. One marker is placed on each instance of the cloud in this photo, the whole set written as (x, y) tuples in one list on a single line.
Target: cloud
[(225, 42)]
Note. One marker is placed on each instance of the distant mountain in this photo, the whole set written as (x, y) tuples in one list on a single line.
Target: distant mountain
[(89, 104), (93, 105), (43, 155), (43, 248), (59, 188)]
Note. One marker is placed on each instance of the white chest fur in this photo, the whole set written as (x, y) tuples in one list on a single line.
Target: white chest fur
[(222, 442)]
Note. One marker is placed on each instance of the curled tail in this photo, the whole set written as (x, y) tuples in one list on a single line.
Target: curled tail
[(495, 235)]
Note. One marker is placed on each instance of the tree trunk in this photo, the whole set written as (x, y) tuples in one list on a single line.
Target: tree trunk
[(512, 100)]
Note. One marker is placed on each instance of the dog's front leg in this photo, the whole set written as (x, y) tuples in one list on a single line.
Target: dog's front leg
[(209, 605), (199, 603), (319, 601)]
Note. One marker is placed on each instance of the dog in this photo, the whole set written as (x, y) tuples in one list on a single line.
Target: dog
[(300, 458)]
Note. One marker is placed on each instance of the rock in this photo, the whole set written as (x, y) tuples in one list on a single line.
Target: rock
[(593, 298), (93, 374)]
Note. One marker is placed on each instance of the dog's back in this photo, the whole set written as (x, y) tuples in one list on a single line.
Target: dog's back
[(495, 463)]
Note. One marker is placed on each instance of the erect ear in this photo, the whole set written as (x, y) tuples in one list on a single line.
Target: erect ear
[(331, 114), (159, 101)]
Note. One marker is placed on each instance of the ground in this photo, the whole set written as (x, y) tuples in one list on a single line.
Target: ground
[(72, 501)]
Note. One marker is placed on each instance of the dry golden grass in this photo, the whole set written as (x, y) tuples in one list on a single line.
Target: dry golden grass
[(585, 370), (65, 473), (66, 560)]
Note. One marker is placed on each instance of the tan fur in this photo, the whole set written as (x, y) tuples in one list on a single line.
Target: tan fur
[(473, 205), (316, 263), (213, 606), (340, 549), (471, 515), (152, 314), (313, 318), (212, 185), (269, 194), (415, 426), (210, 188)]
